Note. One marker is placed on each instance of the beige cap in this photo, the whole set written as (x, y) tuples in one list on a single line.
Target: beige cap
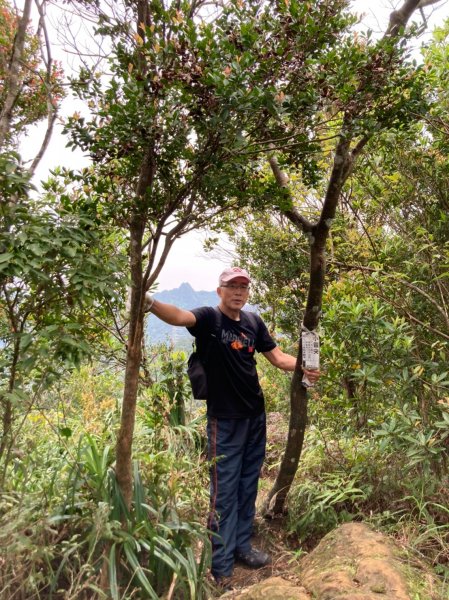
[(233, 273)]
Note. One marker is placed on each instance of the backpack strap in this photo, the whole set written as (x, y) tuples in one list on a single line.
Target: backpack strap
[(253, 318), (218, 320), (213, 336)]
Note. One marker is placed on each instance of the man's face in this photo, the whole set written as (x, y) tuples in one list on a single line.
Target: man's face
[(234, 293)]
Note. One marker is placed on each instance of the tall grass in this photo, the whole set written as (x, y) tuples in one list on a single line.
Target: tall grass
[(63, 523)]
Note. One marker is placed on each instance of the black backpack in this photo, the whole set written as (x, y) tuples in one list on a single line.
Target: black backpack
[(196, 364)]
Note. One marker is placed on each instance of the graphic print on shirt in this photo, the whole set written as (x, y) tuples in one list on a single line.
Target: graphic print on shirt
[(237, 342)]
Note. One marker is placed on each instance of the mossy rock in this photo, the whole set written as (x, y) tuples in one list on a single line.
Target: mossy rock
[(354, 562), (274, 588)]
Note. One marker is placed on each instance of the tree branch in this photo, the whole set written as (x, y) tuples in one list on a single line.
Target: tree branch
[(12, 80), (282, 180), (51, 107), (399, 18)]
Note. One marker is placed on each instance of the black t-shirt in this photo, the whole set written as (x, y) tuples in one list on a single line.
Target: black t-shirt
[(232, 383)]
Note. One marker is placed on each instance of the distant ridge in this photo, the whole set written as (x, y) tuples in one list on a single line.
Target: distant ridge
[(183, 296)]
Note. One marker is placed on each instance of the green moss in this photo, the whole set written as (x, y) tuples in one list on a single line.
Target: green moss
[(417, 582)]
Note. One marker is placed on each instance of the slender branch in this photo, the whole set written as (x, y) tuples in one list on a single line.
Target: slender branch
[(179, 229), (412, 317), (282, 180), (362, 225), (115, 333), (12, 81), (171, 236), (425, 3), (442, 291), (51, 107)]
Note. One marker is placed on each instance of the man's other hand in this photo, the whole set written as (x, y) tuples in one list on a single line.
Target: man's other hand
[(312, 374)]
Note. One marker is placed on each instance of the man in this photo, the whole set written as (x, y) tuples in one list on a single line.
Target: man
[(236, 425)]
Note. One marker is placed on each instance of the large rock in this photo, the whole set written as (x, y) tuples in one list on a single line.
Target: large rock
[(274, 588), (353, 562)]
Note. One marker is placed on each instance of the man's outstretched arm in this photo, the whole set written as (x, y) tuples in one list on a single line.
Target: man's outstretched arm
[(287, 362), (169, 313)]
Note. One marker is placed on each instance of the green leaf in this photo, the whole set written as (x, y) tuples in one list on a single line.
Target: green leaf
[(138, 571), (6, 257), (113, 584)]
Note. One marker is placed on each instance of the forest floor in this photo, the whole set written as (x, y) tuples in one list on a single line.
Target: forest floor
[(355, 562), (375, 571)]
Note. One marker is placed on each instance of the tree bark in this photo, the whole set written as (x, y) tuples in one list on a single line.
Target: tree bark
[(296, 430), (399, 18), (298, 392), (7, 416), (134, 349), (317, 235), (135, 337), (133, 360)]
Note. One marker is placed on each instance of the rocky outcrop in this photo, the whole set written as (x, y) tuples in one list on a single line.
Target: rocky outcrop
[(274, 588), (353, 562)]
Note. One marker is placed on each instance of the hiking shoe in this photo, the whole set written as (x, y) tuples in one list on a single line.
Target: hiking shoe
[(254, 558), (224, 582)]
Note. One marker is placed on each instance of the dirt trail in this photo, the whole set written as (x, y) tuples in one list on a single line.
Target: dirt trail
[(284, 566)]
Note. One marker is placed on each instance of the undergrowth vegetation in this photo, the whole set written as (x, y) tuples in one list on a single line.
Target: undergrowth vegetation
[(63, 519), (62, 516), (357, 480), (376, 448)]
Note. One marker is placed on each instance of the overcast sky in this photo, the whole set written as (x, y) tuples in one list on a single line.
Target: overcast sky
[(187, 261)]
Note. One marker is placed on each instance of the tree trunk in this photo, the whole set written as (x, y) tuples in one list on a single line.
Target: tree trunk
[(7, 410), (317, 235), (298, 392), (6, 405), (138, 289), (296, 430), (133, 360)]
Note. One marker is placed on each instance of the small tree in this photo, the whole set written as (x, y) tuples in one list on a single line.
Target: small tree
[(51, 260), (372, 90), (52, 279)]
